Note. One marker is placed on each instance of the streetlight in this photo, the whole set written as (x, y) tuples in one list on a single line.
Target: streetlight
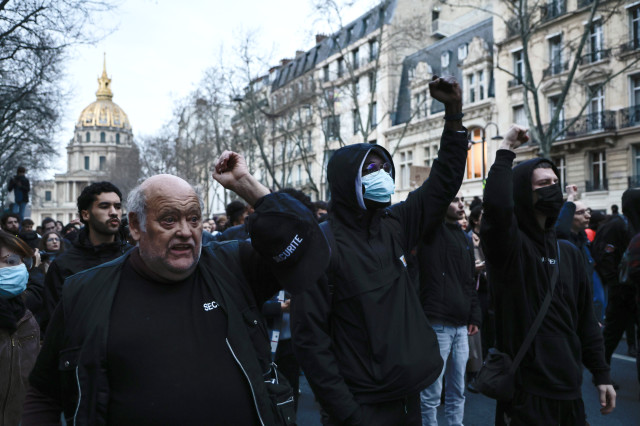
[(497, 137)]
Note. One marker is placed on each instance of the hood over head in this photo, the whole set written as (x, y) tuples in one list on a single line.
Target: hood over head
[(631, 208), (523, 199), (344, 173)]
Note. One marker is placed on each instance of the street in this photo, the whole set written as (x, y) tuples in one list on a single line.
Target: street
[(479, 410)]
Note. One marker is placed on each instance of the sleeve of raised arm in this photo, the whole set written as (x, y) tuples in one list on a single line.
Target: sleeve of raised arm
[(498, 230), (425, 208), (565, 219), (312, 346)]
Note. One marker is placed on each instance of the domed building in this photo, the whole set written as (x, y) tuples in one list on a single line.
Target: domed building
[(102, 140)]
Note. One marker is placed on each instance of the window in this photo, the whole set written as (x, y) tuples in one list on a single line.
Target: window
[(445, 58), (598, 172), (103, 137), (555, 55), (356, 121), (475, 155), (634, 27), (47, 195), (299, 175), (325, 73), (420, 108), (103, 162), (518, 67), (480, 85), (430, 154), (79, 137), (372, 82), (555, 8), (519, 116), (340, 67), (309, 141), (88, 137), (86, 163), (471, 79), (595, 109), (373, 115), (332, 127), (374, 48), (406, 161), (117, 138), (356, 86), (636, 164), (355, 56), (463, 51), (562, 169), (554, 104), (596, 43)]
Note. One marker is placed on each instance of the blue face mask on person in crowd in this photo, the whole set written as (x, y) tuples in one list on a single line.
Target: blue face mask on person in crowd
[(378, 186), (13, 280)]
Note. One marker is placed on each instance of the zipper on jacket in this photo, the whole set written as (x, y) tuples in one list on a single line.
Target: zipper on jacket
[(79, 397), (253, 394)]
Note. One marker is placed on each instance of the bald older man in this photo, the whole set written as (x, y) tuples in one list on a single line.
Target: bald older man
[(169, 333)]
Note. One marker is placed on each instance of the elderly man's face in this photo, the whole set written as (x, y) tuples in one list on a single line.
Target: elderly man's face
[(171, 243)]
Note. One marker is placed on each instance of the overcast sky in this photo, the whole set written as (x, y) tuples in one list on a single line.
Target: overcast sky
[(159, 49)]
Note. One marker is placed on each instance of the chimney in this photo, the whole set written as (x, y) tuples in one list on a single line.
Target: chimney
[(284, 61), (320, 38), (299, 52)]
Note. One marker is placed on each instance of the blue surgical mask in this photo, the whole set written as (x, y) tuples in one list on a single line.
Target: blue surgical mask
[(13, 280), (378, 186)]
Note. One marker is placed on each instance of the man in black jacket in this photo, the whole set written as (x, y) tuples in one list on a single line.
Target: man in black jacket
[(171, 333), (20, 186), (100, 209), (360, 333), (450, 301), (521, 249)]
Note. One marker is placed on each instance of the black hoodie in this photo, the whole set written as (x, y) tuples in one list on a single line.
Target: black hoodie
[(370, 341), (520, 257)]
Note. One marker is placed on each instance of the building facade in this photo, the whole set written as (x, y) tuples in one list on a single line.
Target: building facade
[(102, 136)]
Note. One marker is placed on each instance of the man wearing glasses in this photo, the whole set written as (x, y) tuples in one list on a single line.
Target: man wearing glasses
[(360, 334)]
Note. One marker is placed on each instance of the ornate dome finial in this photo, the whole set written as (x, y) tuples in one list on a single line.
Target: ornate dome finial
[(104, 83)]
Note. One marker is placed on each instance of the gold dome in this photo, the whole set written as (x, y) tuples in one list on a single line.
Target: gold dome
[(104, 112)]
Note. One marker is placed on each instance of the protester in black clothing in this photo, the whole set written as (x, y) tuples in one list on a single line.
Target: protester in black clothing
[(450, 302), (100, 209), (174, 328), (521, 249), (612, 239), (20, 186), (236, 213), (10, 223), (360, 333), (48, 224)]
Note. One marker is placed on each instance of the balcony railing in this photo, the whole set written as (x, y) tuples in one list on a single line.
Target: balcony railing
[(555, 69), (515, 82), (634, 181), (553, 9), (586, 124), (596, 185), (630, 46), (630, 117), (595, 56)]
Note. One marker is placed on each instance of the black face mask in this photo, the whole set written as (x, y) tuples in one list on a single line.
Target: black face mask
[(549, 200)]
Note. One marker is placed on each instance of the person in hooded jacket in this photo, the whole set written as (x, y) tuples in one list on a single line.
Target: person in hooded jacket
[(612, 241), (100, 209), (360, 333), (521, 248)]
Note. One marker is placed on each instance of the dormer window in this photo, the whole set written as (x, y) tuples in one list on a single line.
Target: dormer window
[(445, 58), (463, 50)]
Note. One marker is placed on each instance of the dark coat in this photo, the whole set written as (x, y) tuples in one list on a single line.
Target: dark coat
[(368, 340), (520, 257)]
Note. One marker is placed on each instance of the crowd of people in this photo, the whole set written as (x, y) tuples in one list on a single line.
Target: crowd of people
[(168, 317)]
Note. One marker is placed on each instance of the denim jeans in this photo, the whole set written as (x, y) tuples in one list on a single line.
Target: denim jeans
[(453, 341), (19, 209)]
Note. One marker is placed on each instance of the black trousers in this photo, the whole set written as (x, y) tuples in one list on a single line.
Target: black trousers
[(621, 311), (289, 367), (531, 410), (399, 412)]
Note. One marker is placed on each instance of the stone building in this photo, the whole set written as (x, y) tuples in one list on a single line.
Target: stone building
[(102, 140)]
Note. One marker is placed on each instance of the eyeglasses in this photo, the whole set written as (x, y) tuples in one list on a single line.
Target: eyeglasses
[(374, 167), (15, 260), (53, 240)]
